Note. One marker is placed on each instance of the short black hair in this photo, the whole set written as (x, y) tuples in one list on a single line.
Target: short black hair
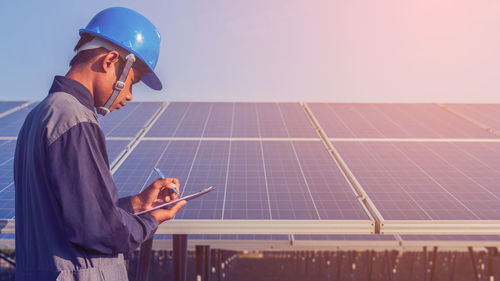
[(87, 55)]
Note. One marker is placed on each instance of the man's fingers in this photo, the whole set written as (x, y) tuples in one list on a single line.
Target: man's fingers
[(163, 215), (177, 206)]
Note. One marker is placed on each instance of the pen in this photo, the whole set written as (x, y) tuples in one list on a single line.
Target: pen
[(163, 177)]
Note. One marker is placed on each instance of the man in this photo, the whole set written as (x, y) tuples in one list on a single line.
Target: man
[(70, 224)]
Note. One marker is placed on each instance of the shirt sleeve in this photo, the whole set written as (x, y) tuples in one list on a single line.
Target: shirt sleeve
[(80, 177)]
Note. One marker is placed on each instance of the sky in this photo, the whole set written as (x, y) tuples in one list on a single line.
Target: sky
[(277, 50)]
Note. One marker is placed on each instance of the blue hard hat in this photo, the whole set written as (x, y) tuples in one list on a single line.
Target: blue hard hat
[(133, 32)]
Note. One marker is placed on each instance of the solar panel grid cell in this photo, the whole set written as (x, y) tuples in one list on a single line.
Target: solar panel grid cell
[(220, 121), (169, 121), (246, 195), (246, 124)]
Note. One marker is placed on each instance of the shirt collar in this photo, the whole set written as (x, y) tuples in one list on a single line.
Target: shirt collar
[(74, 88)]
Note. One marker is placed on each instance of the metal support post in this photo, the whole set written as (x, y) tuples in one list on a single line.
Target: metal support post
[(339, 264), (215, 265), (434, 258), (424, 261), (453, 264), (388, 261), (202, 263), (492, 251), (180, 257), (412, 264), (474, 267), (369, 261), (144, 260)]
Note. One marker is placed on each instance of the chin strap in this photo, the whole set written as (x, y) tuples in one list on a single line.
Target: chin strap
[(119, 85)]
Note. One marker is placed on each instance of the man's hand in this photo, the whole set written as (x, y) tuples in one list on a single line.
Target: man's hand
[(159, 192)]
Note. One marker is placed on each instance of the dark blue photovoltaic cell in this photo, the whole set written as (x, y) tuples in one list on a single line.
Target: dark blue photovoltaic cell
[(7, 105), (340, 237), (129, 120), (428, 181), (246, 122), (486, 114), (265, 180), (239, 120), (114, 148), (12, 123), (170, 120), (219, 123), (392, 121), (7, 149)]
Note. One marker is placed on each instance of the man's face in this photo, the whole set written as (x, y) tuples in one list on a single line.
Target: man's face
[(104, 87)]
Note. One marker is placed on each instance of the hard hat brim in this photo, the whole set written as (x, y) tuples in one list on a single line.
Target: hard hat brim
[(152, 81)]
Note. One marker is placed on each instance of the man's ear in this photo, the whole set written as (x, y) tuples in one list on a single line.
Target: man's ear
[(109, 61)]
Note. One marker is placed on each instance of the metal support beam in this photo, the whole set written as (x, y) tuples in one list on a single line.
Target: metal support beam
[(180, 257), (144, 260)]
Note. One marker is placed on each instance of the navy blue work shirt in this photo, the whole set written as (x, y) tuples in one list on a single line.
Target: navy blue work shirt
[(70, 224)]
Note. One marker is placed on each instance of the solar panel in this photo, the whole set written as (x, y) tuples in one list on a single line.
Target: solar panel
[(429, 181), (392, 121), (129, 120), (11, 124), (239, 120), (7, 149), (255, 180), (488, 115), (7, 105)]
